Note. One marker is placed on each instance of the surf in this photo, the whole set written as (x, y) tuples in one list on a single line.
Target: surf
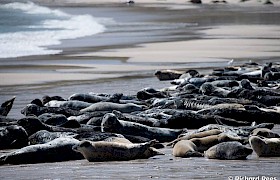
[(47, 27)]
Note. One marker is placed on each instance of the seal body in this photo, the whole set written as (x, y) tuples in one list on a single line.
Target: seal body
[(112, 151), (13, 136), (186, 148), (228, 151), (109, 106), (205, 143), (264, 132), (57, 150), (265, 147), (110, 123)]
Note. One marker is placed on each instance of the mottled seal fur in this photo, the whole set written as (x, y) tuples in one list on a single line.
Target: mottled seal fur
[(57, 150), (265, 147), (228, 151), (112, 151), (109, 106), (73, 104), (185, 148)]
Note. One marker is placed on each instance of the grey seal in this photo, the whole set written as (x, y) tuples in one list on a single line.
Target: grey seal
[(228, 151), (110, 123), (57, 150)]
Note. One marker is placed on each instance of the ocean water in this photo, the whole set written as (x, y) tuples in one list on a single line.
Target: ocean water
[(27, 29)]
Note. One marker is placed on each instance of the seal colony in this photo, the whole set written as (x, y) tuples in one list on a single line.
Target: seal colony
[(233, 111)]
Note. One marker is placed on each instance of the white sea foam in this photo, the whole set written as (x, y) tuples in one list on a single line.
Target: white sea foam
[(31, 8), (49, 32)]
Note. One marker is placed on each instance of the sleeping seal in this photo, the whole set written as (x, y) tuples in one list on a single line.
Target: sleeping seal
[(109, 106), (228, 150), (57, 150), (186, 148), (112, 151), (265, 147), (110, 123)]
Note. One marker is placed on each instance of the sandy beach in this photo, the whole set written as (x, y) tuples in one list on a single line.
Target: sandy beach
[(138, 40)]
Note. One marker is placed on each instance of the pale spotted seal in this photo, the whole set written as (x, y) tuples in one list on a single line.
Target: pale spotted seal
[(265, 147)]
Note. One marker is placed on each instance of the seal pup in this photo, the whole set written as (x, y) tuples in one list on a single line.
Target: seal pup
[(228, 151), (265, 147), (7, 106), (58, 150), (185, 148), (110, 123), (112, 151)]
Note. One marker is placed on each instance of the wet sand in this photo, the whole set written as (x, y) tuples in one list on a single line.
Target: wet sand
[(119, 60)]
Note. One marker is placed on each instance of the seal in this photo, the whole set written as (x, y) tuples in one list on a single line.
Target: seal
[(33, 125), (58, 150), (265, 147), (44, 136), (148, 93), (53, 119), (13, 136), (190, 135), (243, 131), (228, 151), (185, 148), (110, 123), (73, 104), (94, 98), (205, 143), (264, 132), (33, 109), (211, 90), (112, 151), (7, 106), (164, 75), (109, 106)]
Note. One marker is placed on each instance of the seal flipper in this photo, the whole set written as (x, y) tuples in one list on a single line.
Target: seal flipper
[(7, 106)]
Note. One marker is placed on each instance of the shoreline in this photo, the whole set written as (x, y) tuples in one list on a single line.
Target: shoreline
[(201, 43), (129, 67)]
